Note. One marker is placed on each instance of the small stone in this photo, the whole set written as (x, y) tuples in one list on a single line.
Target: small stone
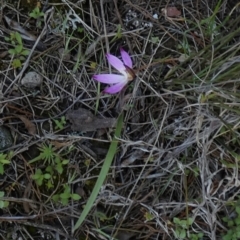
[(155, 16), (32, 80), (6, 139)]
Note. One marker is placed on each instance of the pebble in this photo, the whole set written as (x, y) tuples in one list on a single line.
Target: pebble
[(6, 139), (32, 80)]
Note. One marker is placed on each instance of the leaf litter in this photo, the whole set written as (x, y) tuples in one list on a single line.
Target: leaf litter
[(84, 120)]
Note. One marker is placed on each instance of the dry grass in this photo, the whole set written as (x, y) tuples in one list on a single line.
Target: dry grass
[(179, 149)]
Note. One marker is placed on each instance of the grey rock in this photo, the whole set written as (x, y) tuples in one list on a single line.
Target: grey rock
[(6, 139), (32, 80)]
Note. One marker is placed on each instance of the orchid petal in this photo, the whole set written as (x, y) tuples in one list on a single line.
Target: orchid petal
[(109, 78), (115, 88), (116, 63), (126, 58)]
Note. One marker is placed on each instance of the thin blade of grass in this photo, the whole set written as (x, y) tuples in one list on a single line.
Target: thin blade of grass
[(103, 173)]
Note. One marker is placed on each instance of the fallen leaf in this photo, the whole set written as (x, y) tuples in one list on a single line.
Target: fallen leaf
[(17, 27), (3, 54), (83, 120), (59, 145), (172, 12), (28, 124)]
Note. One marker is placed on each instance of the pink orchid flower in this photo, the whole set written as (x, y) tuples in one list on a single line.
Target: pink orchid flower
[(118, 81)]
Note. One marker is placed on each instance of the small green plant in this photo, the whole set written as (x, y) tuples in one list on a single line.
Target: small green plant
[(233, 232), (210, 26), (17, 51), (155, 39), (38, 15), (4, 159), (3, 204), (60, 123), (47, 154), (65, 196), (184, 46), (55, 166), (39, 176), (59, 163), (148, 216), (182, 229)]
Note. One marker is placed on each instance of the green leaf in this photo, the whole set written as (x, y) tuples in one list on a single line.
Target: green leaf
[(7, 39), (225, 219), (39, 181), (60, 124), (230, 223), (67, 189), (25, 52), (47, 176), (55, 197), (36, 13), (101, 215), (35, 177), (49, 169), (16, 63), (177, 221), (64, 201), (18, 38), (226, 237), (155, 39), (238, 210), (177, 232), (49, 184), (103, 173), (2, 194), (80, 30), (184, 224), (190, 221), (38, 172), (1, 204), (1, 169), (183, 234), (32, 14), (237, 221), (3, 156), (65, 195), (12, 51), (200, 235), (64, 162), (18, 48), (4, 161), (6, 203), (59, 168), (75, 196)]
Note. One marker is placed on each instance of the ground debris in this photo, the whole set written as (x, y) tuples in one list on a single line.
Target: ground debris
[(84, 120), (31, 128)]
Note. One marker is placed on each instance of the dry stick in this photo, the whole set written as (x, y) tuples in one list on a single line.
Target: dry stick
[(120, 20), (30, 54), (104, 28)]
